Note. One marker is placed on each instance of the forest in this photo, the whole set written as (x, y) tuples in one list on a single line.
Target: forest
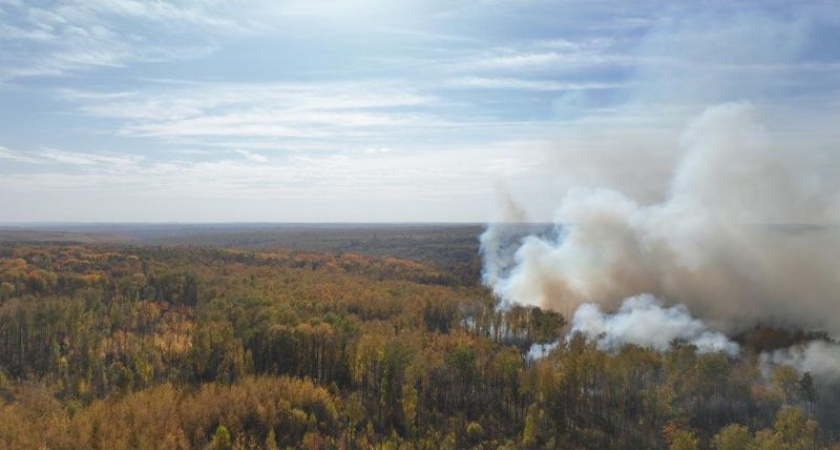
[(111, 346)]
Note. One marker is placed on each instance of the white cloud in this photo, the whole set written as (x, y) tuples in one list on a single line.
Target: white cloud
[(17, 156), (155, 11), (250, 156), (522, 61), (67, 158), (527, 84), (89, 159), (421, 172), (76, 35), (314, 124), (548, 55), (248, 111), (375, 151)]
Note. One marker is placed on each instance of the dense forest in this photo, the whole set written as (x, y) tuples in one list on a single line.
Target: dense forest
[(106, 346)]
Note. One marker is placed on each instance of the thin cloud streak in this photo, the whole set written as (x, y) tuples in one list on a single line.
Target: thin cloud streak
[(250, 174), (83, 35), (529, 84)]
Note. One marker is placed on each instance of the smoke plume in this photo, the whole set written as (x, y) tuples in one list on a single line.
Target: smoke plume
[(664, 208), (638, 316), (819, 358), (727, 241)]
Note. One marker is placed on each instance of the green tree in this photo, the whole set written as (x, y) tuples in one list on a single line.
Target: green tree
[(768, 440), (271, 441), (681, 439), (221, 439), (733, 437), (474, 432), (531, 434), (795, 430)]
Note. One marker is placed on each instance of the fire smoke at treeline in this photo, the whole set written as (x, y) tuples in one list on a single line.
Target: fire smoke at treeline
[(720, 216), (726, 245)]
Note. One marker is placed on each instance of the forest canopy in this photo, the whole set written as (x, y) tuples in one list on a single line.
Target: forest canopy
[(108, 347)]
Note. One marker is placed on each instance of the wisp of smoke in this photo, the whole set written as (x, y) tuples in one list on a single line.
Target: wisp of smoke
[(819, 358), (726, 241), (638, 316)]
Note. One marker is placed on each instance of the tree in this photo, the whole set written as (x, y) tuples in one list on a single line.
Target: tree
[(680, 439), (271, 441), (733, 437), (474, 432), (785, 380), (221, 439), (807, 390), (795, 430), (531, 434), (768, 440)]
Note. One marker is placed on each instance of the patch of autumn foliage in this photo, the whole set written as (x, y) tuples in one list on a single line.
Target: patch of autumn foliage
[(106, 347)]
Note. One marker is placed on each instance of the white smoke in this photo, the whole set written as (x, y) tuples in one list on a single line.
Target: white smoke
[(735, 218), (539, 351), (644, 321), (726, 241), (819, 358)]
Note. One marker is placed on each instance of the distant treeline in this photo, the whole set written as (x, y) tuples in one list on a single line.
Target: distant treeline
[(452, 248)]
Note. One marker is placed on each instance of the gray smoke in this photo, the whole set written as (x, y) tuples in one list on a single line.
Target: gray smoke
[(664, 208), (499, 243), (727, 241), (819, 358)]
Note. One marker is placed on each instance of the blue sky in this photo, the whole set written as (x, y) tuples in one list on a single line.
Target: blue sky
[(377, 110)]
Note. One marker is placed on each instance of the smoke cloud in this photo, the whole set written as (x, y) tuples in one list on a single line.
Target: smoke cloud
[(638, 316), (819, 358), (682, 200), (728, 241)]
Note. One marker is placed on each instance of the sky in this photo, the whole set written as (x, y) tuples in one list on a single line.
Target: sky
[(382, 110)]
